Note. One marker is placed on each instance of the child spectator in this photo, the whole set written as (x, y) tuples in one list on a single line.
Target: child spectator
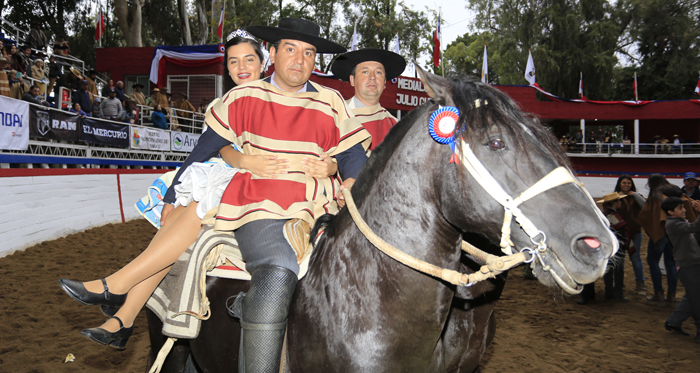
[(55, 71), (158, 118), (76, 109), (686, 251), (38, 74), (615, 275)]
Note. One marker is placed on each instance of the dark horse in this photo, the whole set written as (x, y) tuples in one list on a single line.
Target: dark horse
[(357, 310)]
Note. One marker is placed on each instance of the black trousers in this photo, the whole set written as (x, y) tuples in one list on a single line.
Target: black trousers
[(262, 242), (690, 304)]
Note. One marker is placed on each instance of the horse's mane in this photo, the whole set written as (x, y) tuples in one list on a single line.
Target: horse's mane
[(502, 110)]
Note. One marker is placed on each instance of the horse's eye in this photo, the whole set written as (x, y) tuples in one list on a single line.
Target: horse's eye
[(497, 144)]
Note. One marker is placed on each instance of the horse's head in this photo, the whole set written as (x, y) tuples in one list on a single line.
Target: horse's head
[(507, 165)]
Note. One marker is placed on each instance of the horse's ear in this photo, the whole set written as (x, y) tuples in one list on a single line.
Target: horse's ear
[(436, 86)]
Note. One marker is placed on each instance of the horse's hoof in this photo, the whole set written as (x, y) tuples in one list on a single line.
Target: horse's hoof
[(77, 291)]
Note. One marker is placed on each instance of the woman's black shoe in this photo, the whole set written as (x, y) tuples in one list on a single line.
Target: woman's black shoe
[(77, 291), (117, 339), (110, 310)]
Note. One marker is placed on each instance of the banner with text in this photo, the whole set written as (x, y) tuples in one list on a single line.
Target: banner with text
[(45, 123), (97, 131), (14, 124), (149, 139), (183, 142)]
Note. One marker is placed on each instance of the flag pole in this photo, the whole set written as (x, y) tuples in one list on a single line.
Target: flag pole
[(223, 21), (442, 59)]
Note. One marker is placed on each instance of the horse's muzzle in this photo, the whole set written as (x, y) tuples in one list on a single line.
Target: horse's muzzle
[(590, 251)]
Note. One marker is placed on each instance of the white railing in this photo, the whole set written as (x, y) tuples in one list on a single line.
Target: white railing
[(629, 148), (19, 34)]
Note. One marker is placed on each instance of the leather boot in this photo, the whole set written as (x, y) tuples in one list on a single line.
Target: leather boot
[(641, 288), (263, 315), (657, 297), (671, 297)]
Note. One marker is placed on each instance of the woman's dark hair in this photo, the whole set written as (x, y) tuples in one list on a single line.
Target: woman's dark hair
[(670, 204), (228, 82), (618, 188), (653, 183)]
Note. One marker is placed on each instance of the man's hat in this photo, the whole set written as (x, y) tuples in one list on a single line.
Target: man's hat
[(611, 197), (137, 85), (92, 72), (393, 63), (297, 29), (183, 95), (76, 73), (690, 175), (156, 90), (84, 82)]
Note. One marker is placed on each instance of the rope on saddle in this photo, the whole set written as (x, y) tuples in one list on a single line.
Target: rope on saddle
[(493, 266), (162, 354)]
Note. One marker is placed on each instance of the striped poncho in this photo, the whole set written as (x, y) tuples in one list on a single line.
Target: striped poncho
[(265, 120), (375, 119)]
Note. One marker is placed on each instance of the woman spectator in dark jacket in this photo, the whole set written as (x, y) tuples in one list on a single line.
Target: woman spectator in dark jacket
[(158, 118), (630, 213)]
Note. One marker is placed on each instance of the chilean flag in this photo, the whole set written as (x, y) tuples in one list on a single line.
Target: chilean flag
[(437, 36), (580, 87), (634, 86), (220, 29), (697, 88), (100, 27)]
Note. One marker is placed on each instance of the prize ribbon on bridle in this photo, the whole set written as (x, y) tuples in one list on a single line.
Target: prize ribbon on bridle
[(442, 126)]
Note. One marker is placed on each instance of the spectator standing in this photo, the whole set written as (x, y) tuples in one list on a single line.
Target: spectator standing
[(82, 97), (159, 97), (686, 250), (37, 39), (55, 71), (24, 63), (96, 112), (17, 85), (92, 83), (61, 47), (127, 114), (39, 74), (186, 111), (111, 107), (4, 82), (120, 91), (690, 186), (109, 87), (136, 95), (653, 219), (629, 210), (71, 81), (158, 118)]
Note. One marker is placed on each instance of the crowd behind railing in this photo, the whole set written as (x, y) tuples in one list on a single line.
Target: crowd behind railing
[(607, 143)]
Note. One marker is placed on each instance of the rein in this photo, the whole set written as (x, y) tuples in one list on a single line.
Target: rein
[(493, 266)]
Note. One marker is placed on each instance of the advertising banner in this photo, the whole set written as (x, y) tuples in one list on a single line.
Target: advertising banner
[(14, 124), (149, 139), (45, 123), (97, 131), (183, 142)]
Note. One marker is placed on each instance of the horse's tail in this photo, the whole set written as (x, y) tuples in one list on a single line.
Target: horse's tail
[(321, 224)]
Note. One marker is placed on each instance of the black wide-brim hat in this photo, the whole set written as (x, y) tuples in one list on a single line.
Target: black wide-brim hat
[(393, 63), (297, 29), (137, 85)]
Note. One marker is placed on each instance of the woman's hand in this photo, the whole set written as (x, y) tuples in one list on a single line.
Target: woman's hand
[(320, 168), (167, 209), (264, 165)]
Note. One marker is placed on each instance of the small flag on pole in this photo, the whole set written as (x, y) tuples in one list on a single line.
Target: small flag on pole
[(220, 29), (634, 86), (437, 37), (485, 67), (100, 27), (530, 69), (397, 48), (697, 87), (353, 47), (580, 87)]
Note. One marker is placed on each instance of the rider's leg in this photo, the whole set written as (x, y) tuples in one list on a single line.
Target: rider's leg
[(263, 310), (137, 298), (161, 253)]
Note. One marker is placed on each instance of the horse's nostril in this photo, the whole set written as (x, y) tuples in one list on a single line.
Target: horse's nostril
[(592, 242)]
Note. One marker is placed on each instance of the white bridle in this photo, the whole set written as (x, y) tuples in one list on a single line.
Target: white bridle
[(558, 176)]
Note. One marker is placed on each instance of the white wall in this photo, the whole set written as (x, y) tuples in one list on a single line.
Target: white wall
[(598, 186), (39, 208)]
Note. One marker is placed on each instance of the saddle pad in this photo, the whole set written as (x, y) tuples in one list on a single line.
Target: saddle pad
[(180, 300)]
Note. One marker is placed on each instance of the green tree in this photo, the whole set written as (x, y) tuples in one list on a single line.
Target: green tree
[(665, 34), (465, 55), (566, 37)]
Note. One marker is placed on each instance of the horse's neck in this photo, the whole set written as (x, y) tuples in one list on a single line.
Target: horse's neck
[(399, 206)]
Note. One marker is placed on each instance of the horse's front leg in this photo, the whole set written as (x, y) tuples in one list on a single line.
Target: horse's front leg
[(471, 326), (177, 358)]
